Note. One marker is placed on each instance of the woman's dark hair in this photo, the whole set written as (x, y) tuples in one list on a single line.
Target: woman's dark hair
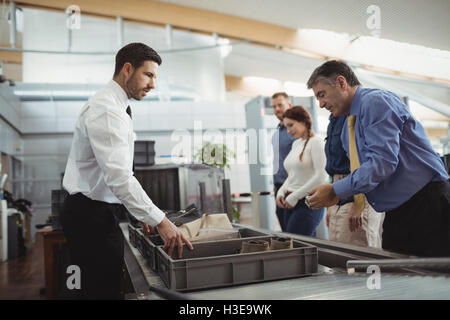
[(330, 70), (300, 114), (135, 53)]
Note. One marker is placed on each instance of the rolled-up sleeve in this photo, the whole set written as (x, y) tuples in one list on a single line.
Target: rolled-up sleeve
[(109, 138)]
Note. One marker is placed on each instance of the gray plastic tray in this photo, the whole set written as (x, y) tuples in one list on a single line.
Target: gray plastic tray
[(218, 264), (133, 235), (147, 245)]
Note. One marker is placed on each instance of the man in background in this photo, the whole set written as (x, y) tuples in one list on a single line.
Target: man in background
[(281, 143)]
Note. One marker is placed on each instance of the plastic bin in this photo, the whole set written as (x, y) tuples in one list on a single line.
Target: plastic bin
[(150, 243), (140, 242), (219, 264), (149, 249), (133, 235)]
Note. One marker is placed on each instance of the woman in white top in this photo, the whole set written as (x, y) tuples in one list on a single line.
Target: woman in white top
[(305, 165)]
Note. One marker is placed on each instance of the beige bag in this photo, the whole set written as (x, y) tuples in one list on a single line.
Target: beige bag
[(190, 230), (209, 227), (254, 246), (279, 243)]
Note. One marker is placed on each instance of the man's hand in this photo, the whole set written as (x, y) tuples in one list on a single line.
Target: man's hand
[(148, 230), (172, 237), (322, 196), (354, 221)]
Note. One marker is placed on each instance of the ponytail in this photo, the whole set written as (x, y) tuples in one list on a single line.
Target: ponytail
[(310, 134)]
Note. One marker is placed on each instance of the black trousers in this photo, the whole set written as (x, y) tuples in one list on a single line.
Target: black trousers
[(279, 211), (96, 245), (421, 226)]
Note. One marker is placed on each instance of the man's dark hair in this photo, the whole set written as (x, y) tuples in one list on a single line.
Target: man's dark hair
[(330, 70), (135, 53)]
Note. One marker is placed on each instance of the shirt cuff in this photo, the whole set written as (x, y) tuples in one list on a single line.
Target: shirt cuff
[(292, 200), (343, 188), (155, 217)]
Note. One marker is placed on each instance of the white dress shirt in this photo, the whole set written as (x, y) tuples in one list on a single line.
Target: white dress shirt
[(306, 174), (101, 157)]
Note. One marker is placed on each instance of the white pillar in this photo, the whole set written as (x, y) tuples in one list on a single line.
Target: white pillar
[(4, 216), (13, 29)]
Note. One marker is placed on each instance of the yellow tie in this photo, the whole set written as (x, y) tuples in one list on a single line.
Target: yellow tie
[(354, 161)]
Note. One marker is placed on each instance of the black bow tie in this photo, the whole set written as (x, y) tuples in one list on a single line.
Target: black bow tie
[(129, 112)]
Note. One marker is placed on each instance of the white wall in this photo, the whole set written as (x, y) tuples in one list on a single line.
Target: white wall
[(10, 141), (48, 128), (48, 125), (9, 138), (9, 104), (200, 70)]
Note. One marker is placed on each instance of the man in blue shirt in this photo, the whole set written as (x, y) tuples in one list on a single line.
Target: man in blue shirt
[(399, 171), (282, 143), (344, 225)]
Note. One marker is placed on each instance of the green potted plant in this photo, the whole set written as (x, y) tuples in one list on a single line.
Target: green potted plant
[(214, 154), (217, 155)]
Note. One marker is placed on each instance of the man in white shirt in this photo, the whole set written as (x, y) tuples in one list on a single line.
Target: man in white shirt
[(100, 180)]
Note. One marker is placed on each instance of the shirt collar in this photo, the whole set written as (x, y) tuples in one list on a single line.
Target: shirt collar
[(354, 108), (119, 92)]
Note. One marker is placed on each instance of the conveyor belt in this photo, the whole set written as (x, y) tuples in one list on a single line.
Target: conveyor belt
[(337, 287), (330, 284)]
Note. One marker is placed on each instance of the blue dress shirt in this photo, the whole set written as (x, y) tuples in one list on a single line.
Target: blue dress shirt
[(395, 155), (282, 144)]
